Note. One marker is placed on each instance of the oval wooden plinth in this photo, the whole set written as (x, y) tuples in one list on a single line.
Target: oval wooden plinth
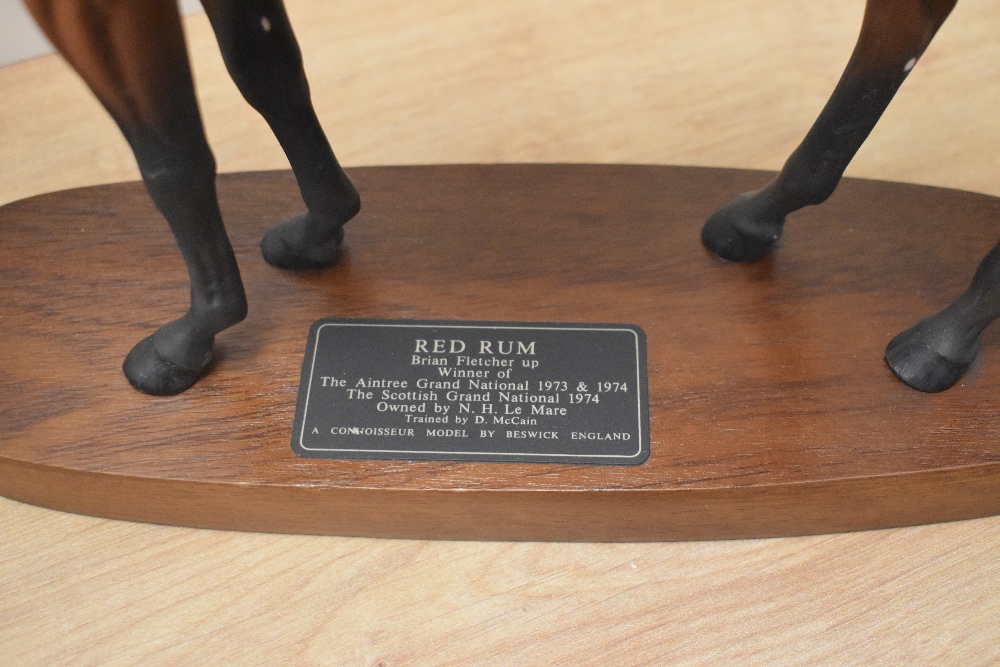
[(772, 412)]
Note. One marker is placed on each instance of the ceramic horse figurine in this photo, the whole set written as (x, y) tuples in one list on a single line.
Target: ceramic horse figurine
[(935, 353), (132, 55)]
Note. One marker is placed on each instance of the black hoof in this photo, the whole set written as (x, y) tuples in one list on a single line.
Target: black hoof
[(912, 357), (732, 233), (150, 374), (283, 248)]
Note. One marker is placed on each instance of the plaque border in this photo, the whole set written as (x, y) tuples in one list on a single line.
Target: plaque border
[(641, 375)]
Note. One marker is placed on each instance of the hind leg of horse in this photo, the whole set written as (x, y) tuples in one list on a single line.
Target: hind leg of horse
[(132, 55), (263, 58), (893, 36), (935, 353)]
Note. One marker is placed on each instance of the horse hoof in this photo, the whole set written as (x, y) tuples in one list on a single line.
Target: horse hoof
[(150, 374), (913, 359), (283, 248), (733, 234)]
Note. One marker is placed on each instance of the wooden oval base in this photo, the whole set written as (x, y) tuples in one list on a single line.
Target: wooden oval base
[(772, 412)]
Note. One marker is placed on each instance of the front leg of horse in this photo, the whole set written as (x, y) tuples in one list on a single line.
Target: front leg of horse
[(182, 185), (132, 55)]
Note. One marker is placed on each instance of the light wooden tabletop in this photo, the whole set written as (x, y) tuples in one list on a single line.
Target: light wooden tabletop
[(721, 83)]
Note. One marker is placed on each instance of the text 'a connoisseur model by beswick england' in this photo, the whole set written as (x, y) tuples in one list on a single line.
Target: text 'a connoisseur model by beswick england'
[(935, 353), (133, 57)]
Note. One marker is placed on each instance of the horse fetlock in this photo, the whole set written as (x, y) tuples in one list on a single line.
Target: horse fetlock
[(224, 313), (350, 201)]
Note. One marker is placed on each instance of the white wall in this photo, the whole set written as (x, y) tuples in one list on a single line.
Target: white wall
[(21, 39)]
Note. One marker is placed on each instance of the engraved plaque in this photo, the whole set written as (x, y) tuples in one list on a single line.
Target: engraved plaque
[(474, 391)]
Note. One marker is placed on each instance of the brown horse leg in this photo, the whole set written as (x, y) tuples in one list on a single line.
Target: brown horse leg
[(264, 60), (934, 354), (893, 36), (133, 57)]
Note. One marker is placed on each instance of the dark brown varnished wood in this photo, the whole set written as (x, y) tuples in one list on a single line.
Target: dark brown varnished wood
[(772, 410)]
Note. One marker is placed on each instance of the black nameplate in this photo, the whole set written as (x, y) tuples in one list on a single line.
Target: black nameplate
[(474, 391)]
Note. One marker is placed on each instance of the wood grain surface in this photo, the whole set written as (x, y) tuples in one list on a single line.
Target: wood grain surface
[(721, 83), (772, 413)]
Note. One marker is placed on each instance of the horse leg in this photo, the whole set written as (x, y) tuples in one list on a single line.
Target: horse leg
[(264, 60), (935, 353), (132, 55), (894, 34)]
